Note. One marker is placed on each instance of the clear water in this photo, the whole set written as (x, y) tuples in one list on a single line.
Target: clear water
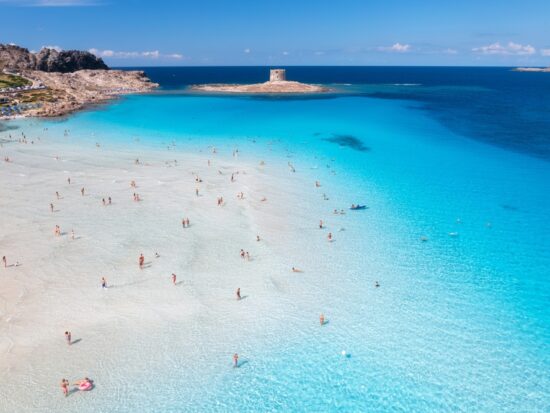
[(460, 323)]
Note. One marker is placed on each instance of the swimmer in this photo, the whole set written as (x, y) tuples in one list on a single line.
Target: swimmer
[(238, 293), (65, 387), (317, 184), (109, 200), (329, 236), (103, 200), (173, 278), (68, 337), (294, 269), (321, 224), (257, 238), (157, 255), (376, 284), (235, 360), (322, 319)]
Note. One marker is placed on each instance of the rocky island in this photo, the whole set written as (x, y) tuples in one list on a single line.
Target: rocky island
[(532, 69), (277, 84), (54, 83)]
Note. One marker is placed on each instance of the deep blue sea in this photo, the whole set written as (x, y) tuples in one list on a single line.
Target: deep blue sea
[(461, 156)]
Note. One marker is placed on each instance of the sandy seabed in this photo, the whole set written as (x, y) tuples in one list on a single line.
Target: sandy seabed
[(141, 320)]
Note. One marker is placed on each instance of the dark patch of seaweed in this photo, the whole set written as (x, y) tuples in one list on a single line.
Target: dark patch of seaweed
[(348, 141)]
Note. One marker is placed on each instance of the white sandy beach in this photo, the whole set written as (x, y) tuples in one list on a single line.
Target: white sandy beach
[(57, 285)]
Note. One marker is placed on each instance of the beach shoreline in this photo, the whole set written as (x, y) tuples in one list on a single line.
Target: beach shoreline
[(63, 275)]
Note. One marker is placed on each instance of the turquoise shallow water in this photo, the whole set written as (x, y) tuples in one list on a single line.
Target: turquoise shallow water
[(460, 323)]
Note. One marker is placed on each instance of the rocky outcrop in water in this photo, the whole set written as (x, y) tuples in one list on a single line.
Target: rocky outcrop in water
[(48, 60)]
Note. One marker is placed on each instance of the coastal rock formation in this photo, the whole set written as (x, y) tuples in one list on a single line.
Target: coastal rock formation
[(532, 69), (69, 92), (59, 82), (281, 86), (48, 60)]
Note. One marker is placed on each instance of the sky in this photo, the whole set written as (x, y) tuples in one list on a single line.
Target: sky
[(286, 32)]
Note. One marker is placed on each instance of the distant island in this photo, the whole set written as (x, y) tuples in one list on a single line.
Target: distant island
[(54, 83), (532, 69), (277, 84)]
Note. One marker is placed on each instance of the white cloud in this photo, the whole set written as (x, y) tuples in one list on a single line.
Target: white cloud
[(153, 54), (57, 48), (509, 49), (545, 52), (396, 47), (319, 53), (247, 50), (285, 53), (450, 51)]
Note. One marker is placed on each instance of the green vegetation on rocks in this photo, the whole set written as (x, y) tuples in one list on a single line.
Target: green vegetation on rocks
[(12, 81)]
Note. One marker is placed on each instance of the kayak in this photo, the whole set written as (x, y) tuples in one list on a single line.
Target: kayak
[(358, 207)]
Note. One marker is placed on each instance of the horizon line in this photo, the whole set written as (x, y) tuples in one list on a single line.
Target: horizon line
[(271, 66)]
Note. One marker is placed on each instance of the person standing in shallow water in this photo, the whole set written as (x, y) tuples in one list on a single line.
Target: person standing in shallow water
[(65, 387), (5, 261), (141, 261), (235, 360), (68, 337), (103, 282), (322, 319), (173, 278), (238, 293)]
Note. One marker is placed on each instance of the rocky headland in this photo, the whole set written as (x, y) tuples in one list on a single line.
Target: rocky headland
[(532, 69), (60, 82)]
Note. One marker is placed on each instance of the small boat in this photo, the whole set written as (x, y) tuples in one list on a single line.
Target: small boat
[(356, 207)]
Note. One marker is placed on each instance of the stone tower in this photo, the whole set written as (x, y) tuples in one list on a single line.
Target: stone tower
[(276, 75)]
